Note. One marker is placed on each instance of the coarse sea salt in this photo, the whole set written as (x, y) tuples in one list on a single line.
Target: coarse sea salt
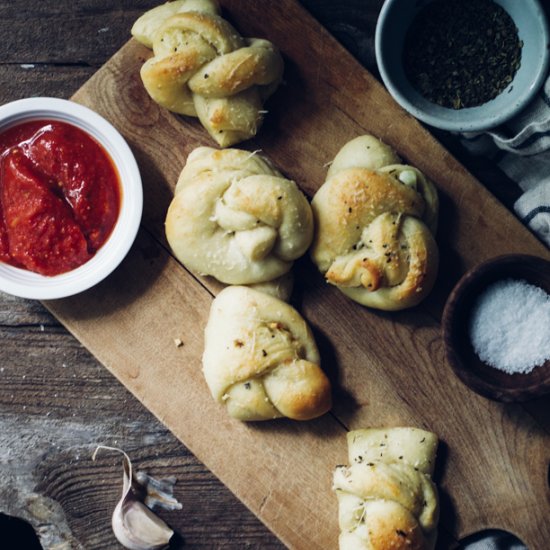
[(510, 326)]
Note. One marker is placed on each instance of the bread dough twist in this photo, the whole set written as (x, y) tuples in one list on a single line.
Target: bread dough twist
[(386, 496), (235, 217), (260, 358), (374, 222), (203, 67)]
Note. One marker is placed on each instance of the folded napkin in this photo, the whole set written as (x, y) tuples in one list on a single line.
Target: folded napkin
[(521, 149)]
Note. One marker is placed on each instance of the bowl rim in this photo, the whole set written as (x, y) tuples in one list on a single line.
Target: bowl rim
[(477, 124), (467, 375), (26, 284)]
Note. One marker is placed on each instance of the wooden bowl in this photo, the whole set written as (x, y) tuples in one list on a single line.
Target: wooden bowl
[(476, 374)]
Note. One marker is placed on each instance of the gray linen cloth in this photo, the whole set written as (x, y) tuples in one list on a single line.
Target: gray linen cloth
[(521, 148)]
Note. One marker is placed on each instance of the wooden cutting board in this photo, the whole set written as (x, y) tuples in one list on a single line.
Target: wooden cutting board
[(387, 369)]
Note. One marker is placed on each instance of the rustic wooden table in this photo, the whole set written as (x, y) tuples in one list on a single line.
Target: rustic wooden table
[(57, 403)]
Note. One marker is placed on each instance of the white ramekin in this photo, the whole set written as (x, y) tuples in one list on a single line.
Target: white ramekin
[(26, 284)]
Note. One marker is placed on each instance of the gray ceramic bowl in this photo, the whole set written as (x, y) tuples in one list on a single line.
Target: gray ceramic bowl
[(528, 15)]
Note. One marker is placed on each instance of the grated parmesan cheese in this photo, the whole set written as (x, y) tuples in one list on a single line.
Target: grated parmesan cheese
[(510, 326)]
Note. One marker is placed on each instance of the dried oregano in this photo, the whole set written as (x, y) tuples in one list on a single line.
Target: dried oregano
[(461, 53)]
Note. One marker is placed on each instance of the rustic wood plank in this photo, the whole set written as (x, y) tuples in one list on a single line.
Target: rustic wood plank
[(79, 32), (352, 24), (346, 20), (302, 135), (31, 79)]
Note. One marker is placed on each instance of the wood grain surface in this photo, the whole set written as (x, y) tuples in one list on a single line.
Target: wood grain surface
[(58, 402)]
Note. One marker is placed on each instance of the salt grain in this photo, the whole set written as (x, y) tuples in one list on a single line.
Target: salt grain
[(510, 326)]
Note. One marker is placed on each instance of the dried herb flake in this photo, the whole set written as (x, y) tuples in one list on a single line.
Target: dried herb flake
[(462, 53)]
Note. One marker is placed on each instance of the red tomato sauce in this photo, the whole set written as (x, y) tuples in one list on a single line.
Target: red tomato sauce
[(59, 196)]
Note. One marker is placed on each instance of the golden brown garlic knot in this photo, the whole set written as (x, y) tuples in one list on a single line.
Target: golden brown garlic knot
[(203, 67), (374, 222)]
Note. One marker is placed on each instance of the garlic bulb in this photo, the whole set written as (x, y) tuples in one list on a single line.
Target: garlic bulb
[(135, 526)]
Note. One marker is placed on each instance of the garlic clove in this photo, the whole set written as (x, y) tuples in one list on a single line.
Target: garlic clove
[(408, 177), (135, 526)]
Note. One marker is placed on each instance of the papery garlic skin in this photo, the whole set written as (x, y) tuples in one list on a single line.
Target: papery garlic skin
[(158, 492)]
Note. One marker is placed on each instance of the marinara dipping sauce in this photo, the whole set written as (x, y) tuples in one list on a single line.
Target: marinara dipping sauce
[(59, 196)]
